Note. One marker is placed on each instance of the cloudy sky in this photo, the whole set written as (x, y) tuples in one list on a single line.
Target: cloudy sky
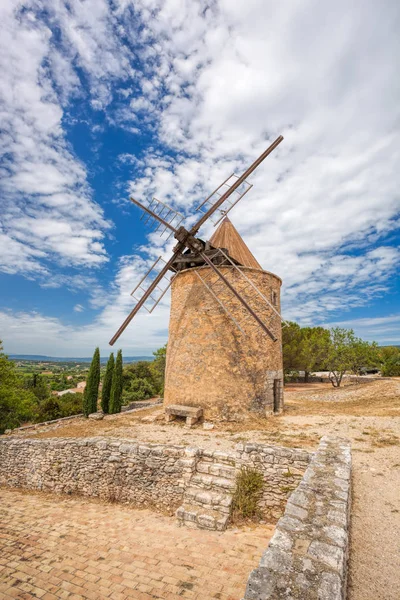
[(168, 97)]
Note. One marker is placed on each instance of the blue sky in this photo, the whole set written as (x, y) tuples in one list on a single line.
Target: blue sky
[(167, 98)]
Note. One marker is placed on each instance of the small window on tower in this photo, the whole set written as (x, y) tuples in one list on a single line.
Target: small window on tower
[(274, 298)]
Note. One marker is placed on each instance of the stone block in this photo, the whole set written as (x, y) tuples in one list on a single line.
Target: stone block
[(97, 416)]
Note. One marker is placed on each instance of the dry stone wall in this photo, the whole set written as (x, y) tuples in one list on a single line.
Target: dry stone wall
[(141, 474), (307, 556), (282, 469)]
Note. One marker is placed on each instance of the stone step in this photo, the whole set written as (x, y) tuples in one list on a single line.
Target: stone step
[(208, 482), (217, 469), (209, 498), (202, 518), (219, 457)]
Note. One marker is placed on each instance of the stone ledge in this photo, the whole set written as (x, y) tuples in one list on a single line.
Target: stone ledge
[(180, 410), (307, 556)]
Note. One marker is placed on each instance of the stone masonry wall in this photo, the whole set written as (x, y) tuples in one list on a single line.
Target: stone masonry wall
[(283, 468), (210, 363), (140, 474), (306, 558)]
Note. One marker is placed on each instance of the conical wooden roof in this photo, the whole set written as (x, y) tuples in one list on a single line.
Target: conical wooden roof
[(226, 236)]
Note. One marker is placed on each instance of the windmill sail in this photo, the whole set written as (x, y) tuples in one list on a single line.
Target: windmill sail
[(168, 221), (160, 216), (157, 293), (229, 202)]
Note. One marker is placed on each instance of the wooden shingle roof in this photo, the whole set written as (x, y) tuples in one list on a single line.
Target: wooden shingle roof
[(226, 236)]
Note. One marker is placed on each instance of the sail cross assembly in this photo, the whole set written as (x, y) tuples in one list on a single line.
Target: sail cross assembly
[(191, 251)]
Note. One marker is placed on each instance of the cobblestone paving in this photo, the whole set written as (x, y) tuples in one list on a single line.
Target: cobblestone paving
[(57, 547)]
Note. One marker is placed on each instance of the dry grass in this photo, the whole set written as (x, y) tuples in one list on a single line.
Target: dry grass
[(309, 411)]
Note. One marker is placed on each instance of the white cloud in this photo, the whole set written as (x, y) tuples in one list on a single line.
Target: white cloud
[(47, 211), (384, 330), (78, 308), (216, 84), (33, 332), (326, 81)]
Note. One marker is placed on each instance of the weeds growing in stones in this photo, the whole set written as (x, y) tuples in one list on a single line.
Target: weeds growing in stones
[(248, 490)]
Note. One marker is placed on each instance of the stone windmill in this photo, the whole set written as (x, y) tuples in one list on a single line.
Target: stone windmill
[(224, 348)]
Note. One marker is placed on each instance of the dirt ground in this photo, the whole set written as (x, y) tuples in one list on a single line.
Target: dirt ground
[(368, 414)]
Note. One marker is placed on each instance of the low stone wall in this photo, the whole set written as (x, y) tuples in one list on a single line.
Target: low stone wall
[(282, 468), (307, 556), (132, 407), (141, 474)]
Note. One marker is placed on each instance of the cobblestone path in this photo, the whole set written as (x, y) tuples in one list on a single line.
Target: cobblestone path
[(61, 547)]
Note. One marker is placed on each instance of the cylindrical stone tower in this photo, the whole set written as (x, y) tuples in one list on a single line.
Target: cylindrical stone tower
[(210, 362)]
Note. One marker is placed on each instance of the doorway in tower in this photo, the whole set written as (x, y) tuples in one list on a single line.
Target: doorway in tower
[(277, 395)]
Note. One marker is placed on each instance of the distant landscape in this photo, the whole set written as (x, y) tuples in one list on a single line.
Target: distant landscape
[(68, 359)]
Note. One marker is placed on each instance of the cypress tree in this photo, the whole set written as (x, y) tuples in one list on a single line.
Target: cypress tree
[(91, 392), (107, 381), (116, 386)]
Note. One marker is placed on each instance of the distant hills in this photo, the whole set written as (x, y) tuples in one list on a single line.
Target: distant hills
[(40, 358)]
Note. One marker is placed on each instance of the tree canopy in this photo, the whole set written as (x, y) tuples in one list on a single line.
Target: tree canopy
[(336, 350), (17, 404)]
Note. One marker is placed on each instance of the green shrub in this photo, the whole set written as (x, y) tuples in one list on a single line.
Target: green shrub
[(390, 356), (139, 389), (49, 410), (248, 490), (70, 404), (57, 407)]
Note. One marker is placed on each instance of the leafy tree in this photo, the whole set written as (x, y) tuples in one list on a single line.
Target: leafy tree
[(138, 382), (341, 353), (70, 404), (390, 361), (56, 407), (91, 392), (17, 404), (313, 350), (107, 381), (291, 341), (140, 389), (138, 370), (116, 386), (49, 410), (304, 348), (157, 368), (365, 355), (39, 387)]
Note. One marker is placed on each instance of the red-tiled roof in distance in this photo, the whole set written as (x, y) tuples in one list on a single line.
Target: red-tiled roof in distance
[(226, 236)]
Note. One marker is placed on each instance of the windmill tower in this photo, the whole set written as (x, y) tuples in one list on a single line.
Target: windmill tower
[(216, 358), (224, 349)]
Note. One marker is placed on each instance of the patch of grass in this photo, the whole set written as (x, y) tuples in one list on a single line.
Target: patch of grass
[(248, 490), (288, 473)]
